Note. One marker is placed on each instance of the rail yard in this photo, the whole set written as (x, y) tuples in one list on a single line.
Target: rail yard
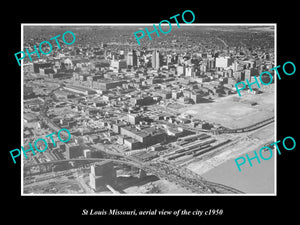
[(145, 121)]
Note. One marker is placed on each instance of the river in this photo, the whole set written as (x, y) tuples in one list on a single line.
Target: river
[(258, 179)]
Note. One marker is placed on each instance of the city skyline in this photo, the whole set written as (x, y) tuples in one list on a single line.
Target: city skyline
[(153, 107)]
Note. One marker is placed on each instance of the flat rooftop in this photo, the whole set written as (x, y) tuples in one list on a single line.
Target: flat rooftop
[(144, 132), (79, 88)]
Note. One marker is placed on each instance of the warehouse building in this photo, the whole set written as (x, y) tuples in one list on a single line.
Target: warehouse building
[(105, 85), (147, 136), (80, 90)]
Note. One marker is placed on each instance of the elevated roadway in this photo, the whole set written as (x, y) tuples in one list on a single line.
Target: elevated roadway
[(186, 179), (193, 182)]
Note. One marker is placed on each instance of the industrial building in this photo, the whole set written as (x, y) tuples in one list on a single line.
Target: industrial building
[(134, 118), (117, 127), (131, 143), (146, 100), (80, 90), (197, 97), (147, 136), (107, 84), (37, 66), (64, 95)]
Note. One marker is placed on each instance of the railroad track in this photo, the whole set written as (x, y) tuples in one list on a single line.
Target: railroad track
[(249, 128), (173, 174)]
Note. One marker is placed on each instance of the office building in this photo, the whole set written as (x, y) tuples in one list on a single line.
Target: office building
[(87, 153), (105, 168), (134, 118), (118, 64), (211, 63), (189, 72), (97, 182), (132, 59), (102, 174), (73, 151), (155, 59), (176, 94), (117, 127), (223, 62), (132, 144), (197, 97), (239, 75), (247, 74), (181, 70)]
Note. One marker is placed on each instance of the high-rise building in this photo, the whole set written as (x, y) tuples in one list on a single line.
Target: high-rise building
[(181, 70), (239, 75), (134, 118), (118, 64), (132, 58), (87, 153), (211, 63), (102, 174), (73, 151), (169, 59), (155, 59), (235, 66), (196, 97), (223, 62), (203, 67), (189, 71), (129, 59), (248, 74)]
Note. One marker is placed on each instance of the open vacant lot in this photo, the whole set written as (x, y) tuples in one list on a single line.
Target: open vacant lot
[(233, 111)]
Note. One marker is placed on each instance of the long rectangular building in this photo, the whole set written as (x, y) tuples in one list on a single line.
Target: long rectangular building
[(80, 90), (109, 84)]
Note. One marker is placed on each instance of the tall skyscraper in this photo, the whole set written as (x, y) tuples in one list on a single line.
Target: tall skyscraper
[(155, 59), (223, 62), (132, 58)]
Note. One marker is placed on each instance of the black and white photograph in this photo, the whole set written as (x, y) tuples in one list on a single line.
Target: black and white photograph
[(163, 117), (149, 113)]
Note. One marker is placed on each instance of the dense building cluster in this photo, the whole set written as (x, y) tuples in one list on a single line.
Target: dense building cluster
[(122, 97)]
